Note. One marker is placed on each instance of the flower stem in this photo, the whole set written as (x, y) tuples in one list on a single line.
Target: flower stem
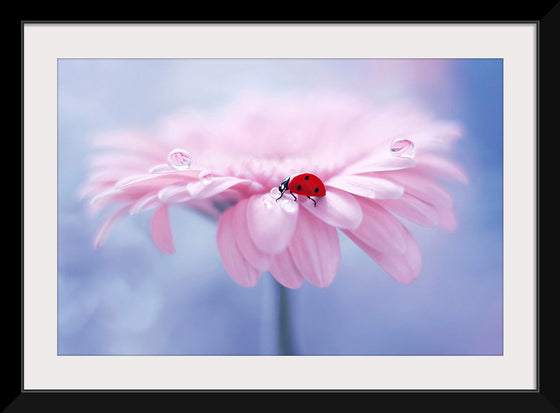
[(286, 345)]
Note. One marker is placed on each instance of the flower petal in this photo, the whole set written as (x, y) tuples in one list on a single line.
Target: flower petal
[(315, 249), (413, 209), (422, 188), (337, 208), (380, 229), (271, 224), (156, 181), (161, 230), (91, 188), (107, 198), (284, 269), (214, 186), (378, 163), (145, 203), (367, 186), (174, 194), (441, 168), (107, 225), (447, 220), (403, 267), (237, 267), (162, 168), (257, 258)]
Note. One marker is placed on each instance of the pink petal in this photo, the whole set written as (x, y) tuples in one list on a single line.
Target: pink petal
[(215, 186), (413, 209), (422, 188), (337, 208), (145, 203), (441, 168), (161, 230), (105, 199), (107, 225), (257, 258), (447, 220), (237, 267), (162, 168), (110, 175), (367, 186), (271, 224), (380, 229), (315, 249), (156, 181), (284, 269), (174, 194), (402, 267), (132, 179), (378, 163), (92, 188)]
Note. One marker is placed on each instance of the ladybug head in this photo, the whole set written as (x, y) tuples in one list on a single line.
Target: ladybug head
[(284, 185)]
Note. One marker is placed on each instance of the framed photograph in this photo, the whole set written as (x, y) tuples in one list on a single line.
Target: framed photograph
[(281, 207)]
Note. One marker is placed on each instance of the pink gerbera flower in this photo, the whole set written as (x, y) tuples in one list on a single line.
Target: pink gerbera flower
[(378, 165)]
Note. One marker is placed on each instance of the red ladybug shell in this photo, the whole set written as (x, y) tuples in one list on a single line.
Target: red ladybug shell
[(307, 184)]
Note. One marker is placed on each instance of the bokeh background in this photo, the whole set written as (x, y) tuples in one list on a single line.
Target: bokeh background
[(128, 298)]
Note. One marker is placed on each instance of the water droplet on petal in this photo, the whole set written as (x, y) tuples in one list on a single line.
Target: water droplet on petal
[(205, 176), (402, 147), (179, 159), (371, 194), (275, 192)]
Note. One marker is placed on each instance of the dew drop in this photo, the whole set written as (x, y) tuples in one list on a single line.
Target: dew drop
[(205, 176), (275, 192), (402, 147), (179, 159)]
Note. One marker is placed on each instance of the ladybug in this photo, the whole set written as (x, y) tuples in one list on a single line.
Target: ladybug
[(303, 184)]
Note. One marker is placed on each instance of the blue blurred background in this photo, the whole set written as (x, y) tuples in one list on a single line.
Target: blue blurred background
[(129, 298)]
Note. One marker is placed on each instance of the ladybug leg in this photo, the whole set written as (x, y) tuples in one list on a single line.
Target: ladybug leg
[(281, 195), (314, 202), (295, 199)]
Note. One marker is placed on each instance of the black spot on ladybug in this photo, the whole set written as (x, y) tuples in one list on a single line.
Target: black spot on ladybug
[(307, 177), (316, 189), (299, 187)]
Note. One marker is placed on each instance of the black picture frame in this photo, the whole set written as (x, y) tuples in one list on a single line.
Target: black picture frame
[(544, 399)]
